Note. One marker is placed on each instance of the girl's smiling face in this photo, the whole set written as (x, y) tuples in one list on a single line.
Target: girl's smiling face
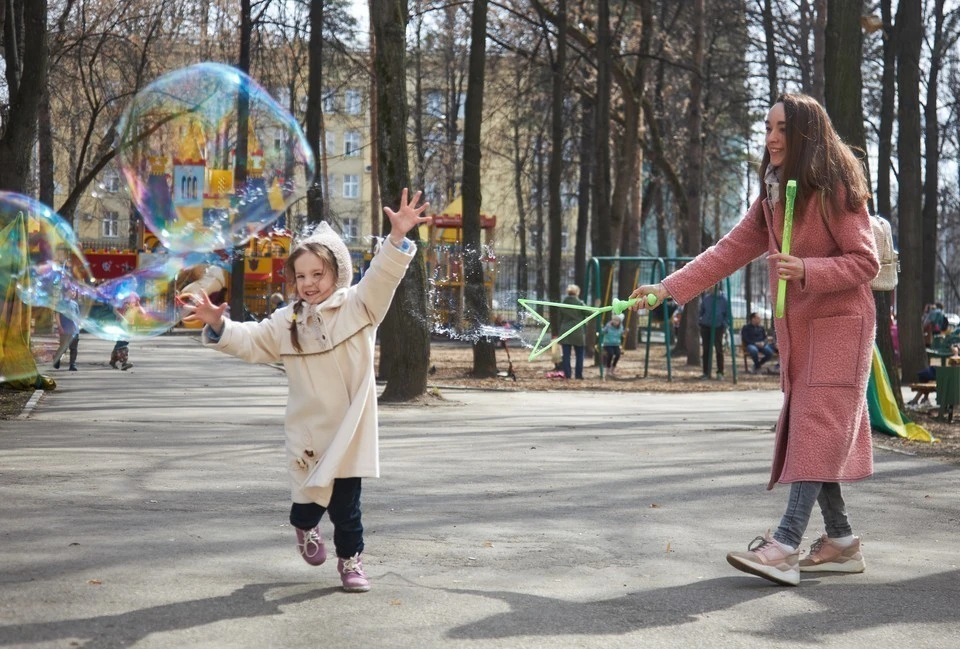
[(315, 281), (777, 135)]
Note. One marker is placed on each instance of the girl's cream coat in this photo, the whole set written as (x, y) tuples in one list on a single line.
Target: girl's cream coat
[(825, 337), (331, 418)]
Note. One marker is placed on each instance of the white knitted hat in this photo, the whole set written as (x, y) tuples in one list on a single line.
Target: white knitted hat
[(324, 235)]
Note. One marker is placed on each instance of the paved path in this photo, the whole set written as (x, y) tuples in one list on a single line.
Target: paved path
[(148, 509)]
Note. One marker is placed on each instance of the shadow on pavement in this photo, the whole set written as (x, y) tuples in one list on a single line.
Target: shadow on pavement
[(127, 629), (840, 607)]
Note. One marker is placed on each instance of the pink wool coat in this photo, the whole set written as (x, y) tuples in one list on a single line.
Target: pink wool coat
[(825, 337)]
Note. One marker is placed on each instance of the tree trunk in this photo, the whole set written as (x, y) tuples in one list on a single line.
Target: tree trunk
[(843, 84), (375, 207), (314, 117), (769, 35), (45, 162), (238, 268), (843, 81), (694, 156), (602, 228), (518, 165), (555, 214), (913, 358), (819, 49), (475, 297), (25, 56), (587, 123), (405, 332), (888, 89), (931, 177)]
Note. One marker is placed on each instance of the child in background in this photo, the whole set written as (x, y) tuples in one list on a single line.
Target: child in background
[(69, 330), (325, 340), (611, 337)]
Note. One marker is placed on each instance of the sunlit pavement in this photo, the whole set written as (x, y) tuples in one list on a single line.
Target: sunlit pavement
[(148, 508)]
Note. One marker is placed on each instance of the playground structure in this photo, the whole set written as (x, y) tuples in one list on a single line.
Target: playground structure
[(444, 258), (659, 267)]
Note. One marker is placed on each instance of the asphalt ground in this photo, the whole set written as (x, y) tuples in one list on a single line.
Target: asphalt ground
[(148, 508)]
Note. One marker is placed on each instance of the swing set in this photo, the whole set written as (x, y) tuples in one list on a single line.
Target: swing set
[(658, 270)]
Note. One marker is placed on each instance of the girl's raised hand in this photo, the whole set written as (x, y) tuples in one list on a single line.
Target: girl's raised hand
[(200, 308), (407, 217)]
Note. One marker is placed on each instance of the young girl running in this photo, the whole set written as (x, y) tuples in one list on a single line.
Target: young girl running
[(325, 340), (825, 338)]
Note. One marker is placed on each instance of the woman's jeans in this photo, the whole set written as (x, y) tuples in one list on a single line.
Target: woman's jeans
[(344, 511), (800, 506), (566, 360)]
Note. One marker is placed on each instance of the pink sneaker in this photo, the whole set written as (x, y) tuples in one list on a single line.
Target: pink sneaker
[(827, 556), (310, 546), (352, 577), (766, 558)]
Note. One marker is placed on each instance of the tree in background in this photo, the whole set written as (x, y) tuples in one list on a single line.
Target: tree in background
[(475, 292), (913, 358), (405, 332)]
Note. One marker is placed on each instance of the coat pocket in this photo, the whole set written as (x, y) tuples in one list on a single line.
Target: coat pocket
[(835, 347)]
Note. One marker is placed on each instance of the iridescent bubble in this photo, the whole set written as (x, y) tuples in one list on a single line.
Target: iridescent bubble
[(40, 266), (141, 304), (179, 154), (40, 253)]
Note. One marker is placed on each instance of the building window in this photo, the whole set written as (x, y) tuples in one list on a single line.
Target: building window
[(111, 225), (111, 182), (351, 230), (351, 102), (351, 186), (331, 180), (329, 100), (331, 144), (351, 143), (277, 143), (435, 103)]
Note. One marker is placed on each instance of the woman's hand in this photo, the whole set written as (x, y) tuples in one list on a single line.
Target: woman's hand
[(406, 218), (787, 267), (658, 290), (200, 308)]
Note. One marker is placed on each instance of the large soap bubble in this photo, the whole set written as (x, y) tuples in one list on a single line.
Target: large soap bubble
[(178, 152), (40, 254), (142, 303)]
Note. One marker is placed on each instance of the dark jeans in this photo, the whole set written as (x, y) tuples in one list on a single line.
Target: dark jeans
[(566, 360), (755, 352), (717, 346), (67, 341), (344, 511), (800, 506), (611, 354)]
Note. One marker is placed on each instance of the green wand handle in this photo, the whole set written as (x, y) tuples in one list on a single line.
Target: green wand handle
[(785, 248)]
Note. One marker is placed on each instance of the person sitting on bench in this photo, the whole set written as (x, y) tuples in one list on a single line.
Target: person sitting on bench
[(753, 337)]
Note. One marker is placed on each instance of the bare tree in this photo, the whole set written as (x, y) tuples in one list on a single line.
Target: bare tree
[(475, 296), (24, 29), (909, 294), (405, 333)]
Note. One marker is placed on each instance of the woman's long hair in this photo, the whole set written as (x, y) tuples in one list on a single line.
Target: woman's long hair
[(816, 158), (329, 262)]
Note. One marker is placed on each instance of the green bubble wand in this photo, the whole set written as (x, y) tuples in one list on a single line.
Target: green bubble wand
[(618, 307), (785, 248)]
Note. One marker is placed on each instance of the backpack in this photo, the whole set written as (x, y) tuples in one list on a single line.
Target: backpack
[(886, 279)]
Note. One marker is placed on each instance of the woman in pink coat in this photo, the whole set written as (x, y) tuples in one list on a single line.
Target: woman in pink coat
[(826, 335)]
